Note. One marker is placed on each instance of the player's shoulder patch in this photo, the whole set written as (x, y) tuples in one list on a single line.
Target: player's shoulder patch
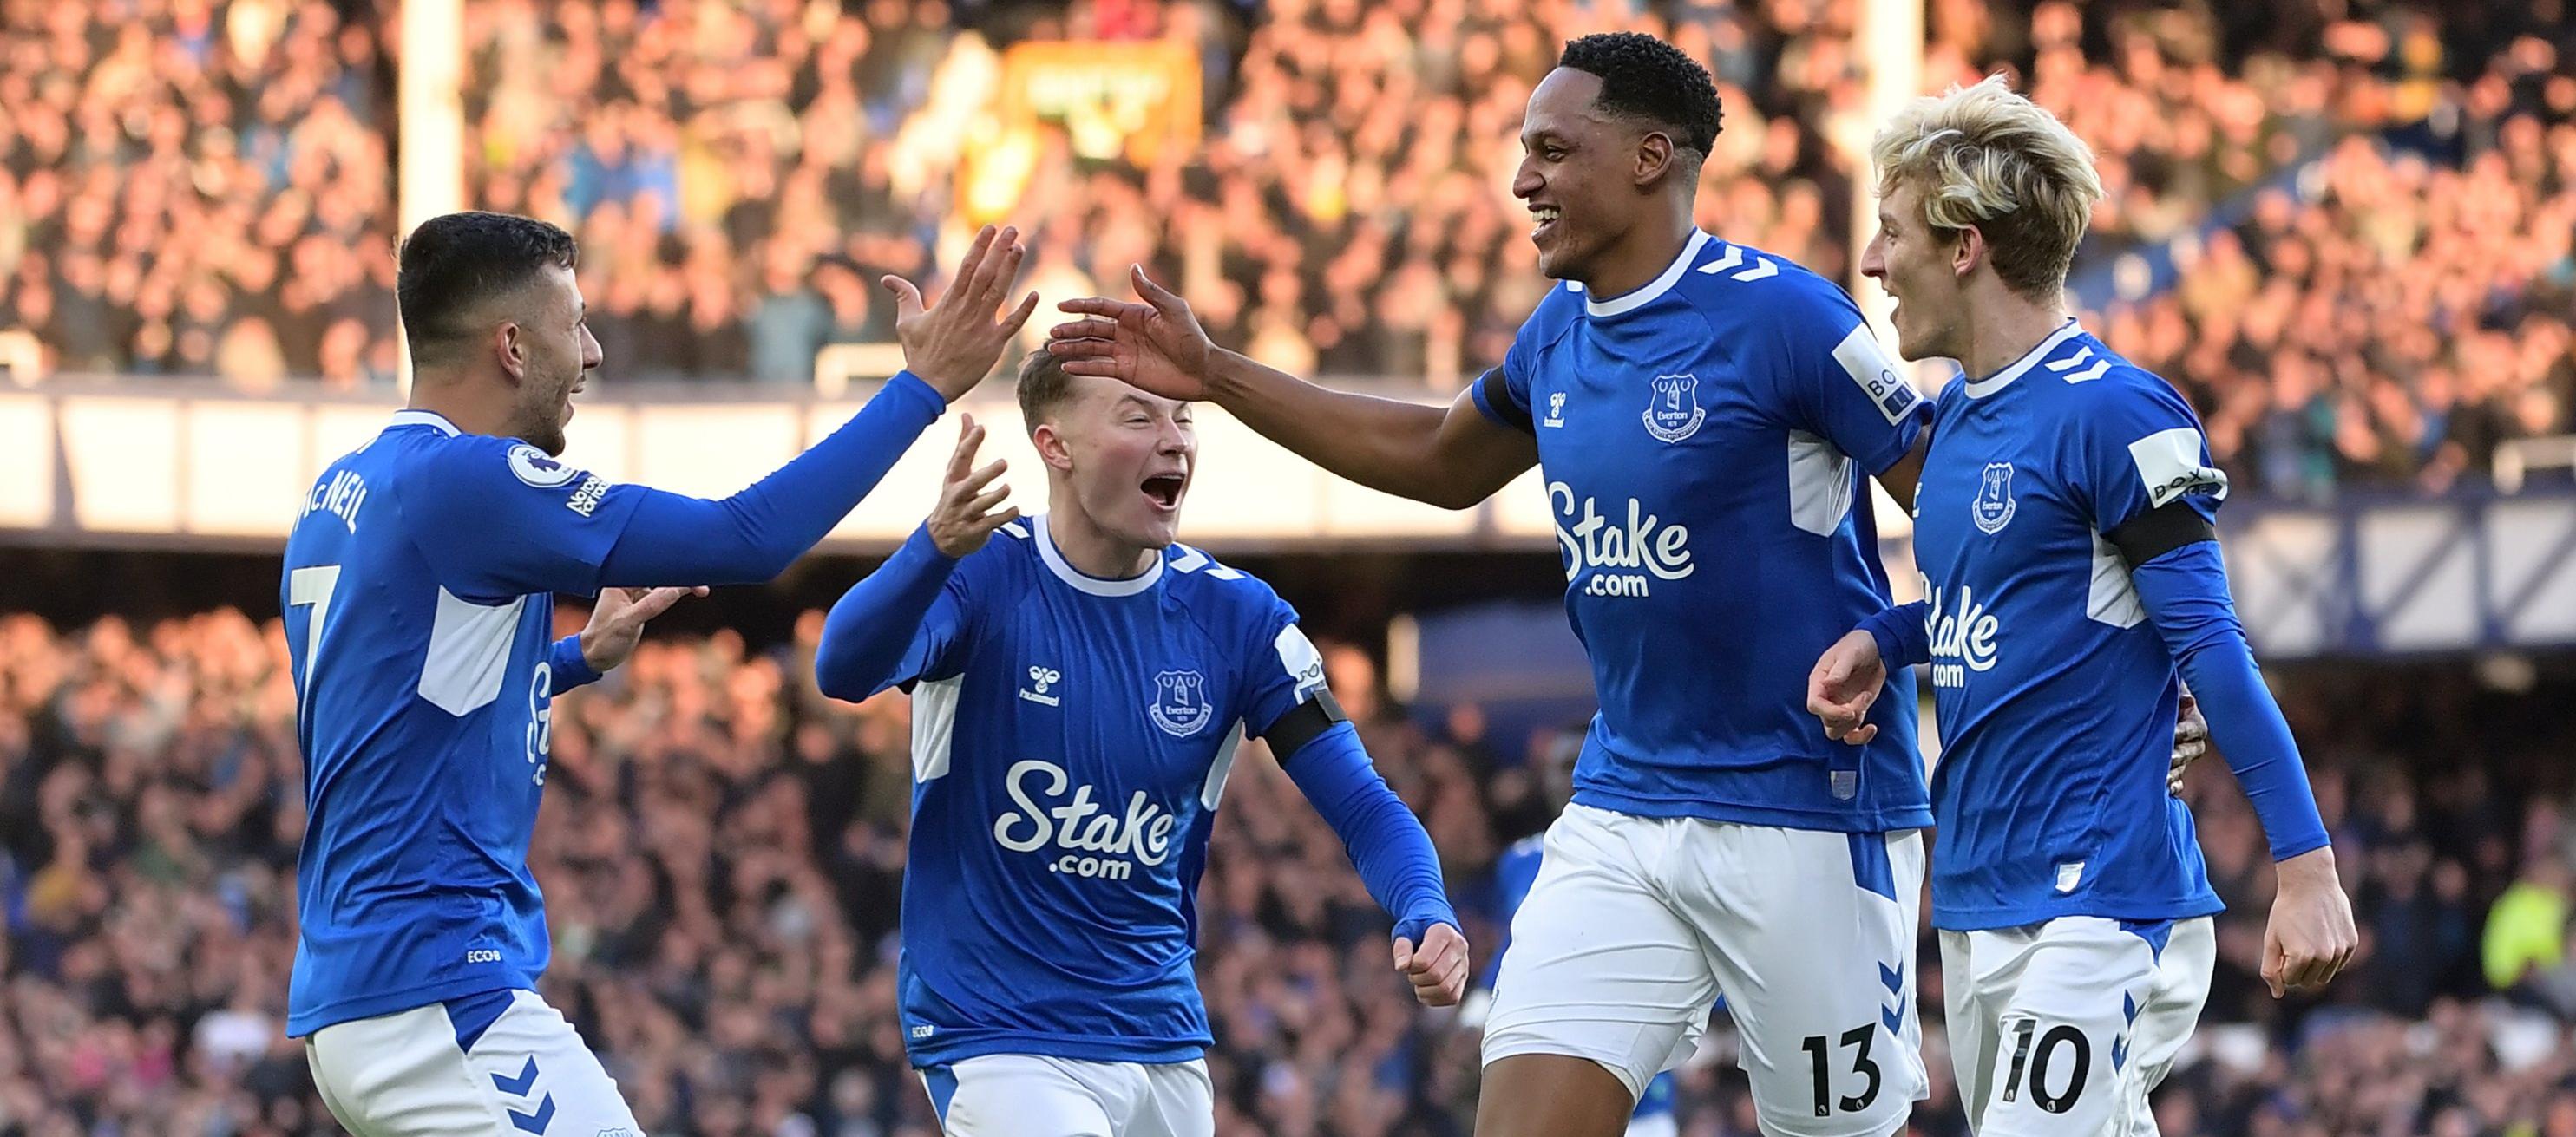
[(538, 468)]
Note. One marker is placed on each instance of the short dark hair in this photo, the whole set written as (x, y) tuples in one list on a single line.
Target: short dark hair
[(1645, 78), (454, 261), (1043, 385)]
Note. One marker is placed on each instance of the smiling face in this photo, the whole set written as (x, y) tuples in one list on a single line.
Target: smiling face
[(1127, 455), (1578, 174), (550, 351), (1919, 266)]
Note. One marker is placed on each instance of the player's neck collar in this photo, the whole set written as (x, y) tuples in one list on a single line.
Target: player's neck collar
[(1081, 581), (1980, 388), (1617, 305), (415, 417)]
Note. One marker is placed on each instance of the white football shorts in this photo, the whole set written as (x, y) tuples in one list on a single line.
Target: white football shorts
[(1028, 1095), (1636, 924), (2061, 1029), (403, 1075)]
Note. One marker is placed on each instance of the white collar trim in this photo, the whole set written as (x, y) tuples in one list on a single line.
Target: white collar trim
[(1657, 287), (423, 418), (1980, 388), (1083, 582)]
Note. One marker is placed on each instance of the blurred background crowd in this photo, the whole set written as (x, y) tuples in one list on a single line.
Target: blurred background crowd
[(722, 850), (2363, 207), (2342, 227)]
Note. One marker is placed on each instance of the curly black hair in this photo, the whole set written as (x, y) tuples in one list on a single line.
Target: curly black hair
[(1644, 77)]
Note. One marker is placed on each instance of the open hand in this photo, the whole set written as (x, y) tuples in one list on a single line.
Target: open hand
[(966, 516), (2191, 742), (617, 622), (1157, 345), (954, 345)]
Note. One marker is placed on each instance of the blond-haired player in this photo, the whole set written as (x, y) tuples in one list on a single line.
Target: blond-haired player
[(2064, 531)]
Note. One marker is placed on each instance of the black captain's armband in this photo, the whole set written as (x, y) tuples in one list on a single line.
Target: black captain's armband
[(1304, 723), (2161, 530), (1498, 395)]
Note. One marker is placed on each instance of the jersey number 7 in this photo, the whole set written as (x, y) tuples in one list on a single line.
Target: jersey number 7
[(311, 586)]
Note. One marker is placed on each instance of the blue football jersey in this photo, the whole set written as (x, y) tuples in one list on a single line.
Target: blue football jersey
[(2055, 697), (1704, 443), (418, 609), (1071, 739)]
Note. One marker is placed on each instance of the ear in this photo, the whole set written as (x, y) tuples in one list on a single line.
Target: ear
[(511, 349), (1051, 448), (1654, 157), (1971, 251)]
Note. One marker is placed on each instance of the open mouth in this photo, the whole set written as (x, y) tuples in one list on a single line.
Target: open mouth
[(1547, 216), (1164, 490)]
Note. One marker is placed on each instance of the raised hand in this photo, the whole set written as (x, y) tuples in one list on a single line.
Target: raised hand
[(1845, 682), (617, 622), (954, 345), (966, 516), (1437, 969), (1157, 344)]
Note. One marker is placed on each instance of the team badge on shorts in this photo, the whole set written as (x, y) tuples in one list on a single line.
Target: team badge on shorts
[(1674, 413), (1180, 703), (1994, 506)]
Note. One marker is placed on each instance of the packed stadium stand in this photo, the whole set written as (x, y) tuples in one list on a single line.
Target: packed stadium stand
[(2345, 228)]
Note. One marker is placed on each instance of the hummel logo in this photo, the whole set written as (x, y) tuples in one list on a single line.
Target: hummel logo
[(1555, 410), (1041, 678)]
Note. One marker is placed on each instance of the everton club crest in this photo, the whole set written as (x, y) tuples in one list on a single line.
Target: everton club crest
[(1180, 703), (1674, 413), (1994, 505)]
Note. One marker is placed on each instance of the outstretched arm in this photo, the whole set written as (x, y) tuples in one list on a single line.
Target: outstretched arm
[(1451, 457), (755, 534)]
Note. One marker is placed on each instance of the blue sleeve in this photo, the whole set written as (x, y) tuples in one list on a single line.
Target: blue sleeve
[(2185, 595), (495, 518), (1503, 393), (894, 625), (1904, 640), (1842, 386), (754, 535), (1386, 842), (570, 670)]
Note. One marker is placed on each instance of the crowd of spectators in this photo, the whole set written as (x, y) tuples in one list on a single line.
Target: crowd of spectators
[(2369, 202), (193, 187), (2371, 218), (722, 850)]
